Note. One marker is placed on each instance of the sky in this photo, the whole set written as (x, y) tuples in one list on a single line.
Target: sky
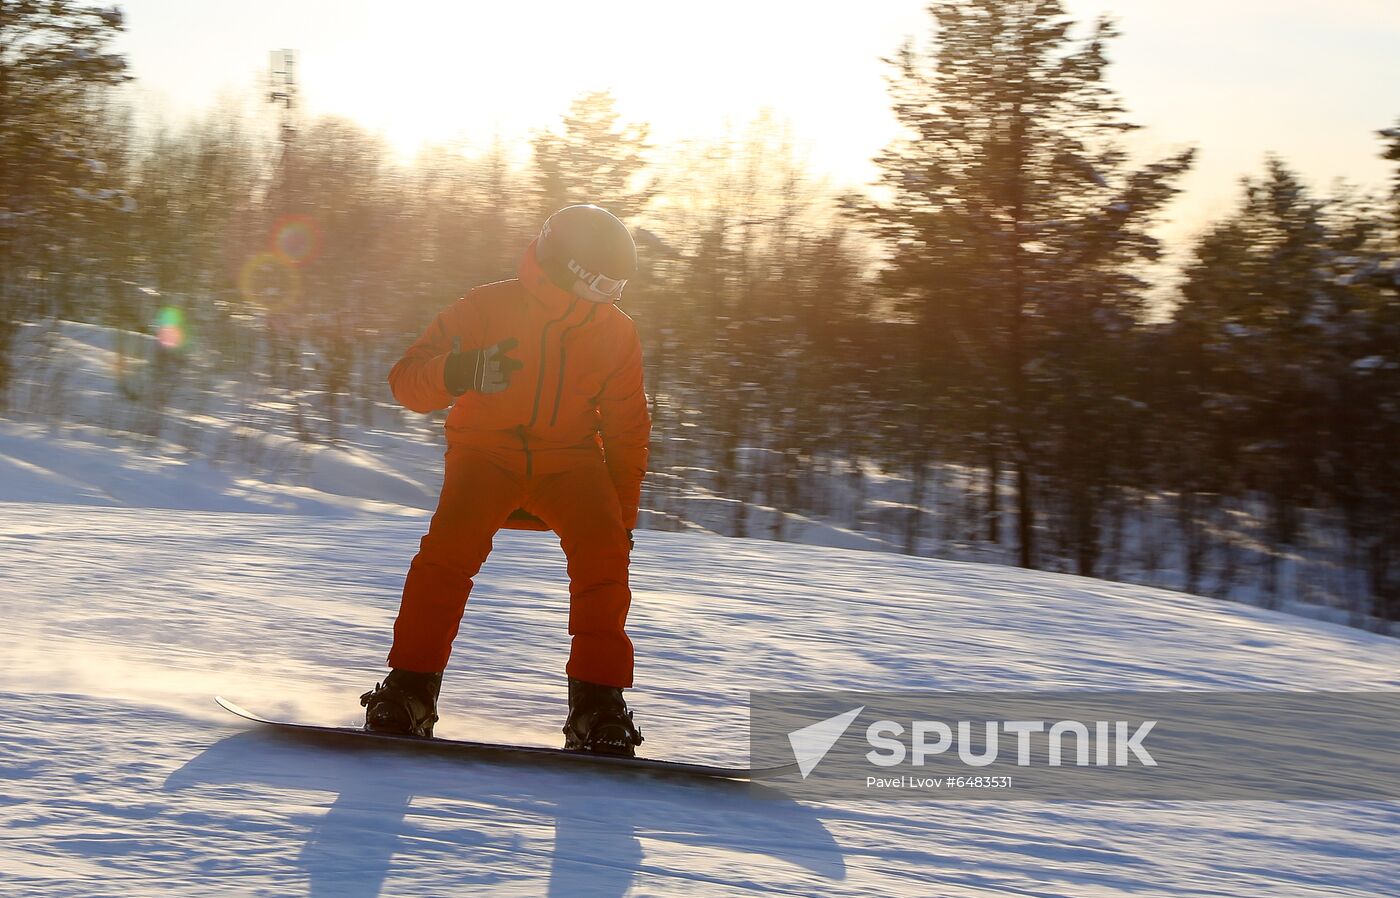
[(1308, 80)]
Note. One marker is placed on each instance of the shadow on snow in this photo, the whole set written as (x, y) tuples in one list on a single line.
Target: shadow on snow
[(400, 807)]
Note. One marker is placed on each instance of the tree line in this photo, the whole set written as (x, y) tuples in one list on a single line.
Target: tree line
[(985, 330)]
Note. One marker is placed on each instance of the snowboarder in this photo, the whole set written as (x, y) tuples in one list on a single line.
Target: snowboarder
[(549, 429)]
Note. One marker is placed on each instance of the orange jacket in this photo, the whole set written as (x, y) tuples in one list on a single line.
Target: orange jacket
[(581, 387)]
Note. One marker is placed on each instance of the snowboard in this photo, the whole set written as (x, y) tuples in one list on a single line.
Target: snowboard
[(518, 753)]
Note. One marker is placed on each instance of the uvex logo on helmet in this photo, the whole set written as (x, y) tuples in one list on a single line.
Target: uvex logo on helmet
[(587, 251), (582, 272)]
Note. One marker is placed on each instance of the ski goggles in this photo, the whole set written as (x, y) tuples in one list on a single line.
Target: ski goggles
[(598, 284)]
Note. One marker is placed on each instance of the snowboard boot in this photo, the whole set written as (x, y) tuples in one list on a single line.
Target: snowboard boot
[(405, 703), (600, 721)]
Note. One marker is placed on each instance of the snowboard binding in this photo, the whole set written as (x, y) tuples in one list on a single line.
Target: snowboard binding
[(404, 704), (600, 721)]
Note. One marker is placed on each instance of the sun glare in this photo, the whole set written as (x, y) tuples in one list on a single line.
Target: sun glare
[(470, 74), (479, 73)]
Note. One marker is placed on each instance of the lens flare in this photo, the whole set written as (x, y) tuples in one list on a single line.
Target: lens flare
[(270, 281), (170, 328), (296, 239)]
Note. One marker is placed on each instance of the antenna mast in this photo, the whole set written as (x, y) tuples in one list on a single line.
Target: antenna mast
[(283, 91)]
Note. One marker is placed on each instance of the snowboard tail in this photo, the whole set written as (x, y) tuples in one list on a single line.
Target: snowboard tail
[(512, 752)]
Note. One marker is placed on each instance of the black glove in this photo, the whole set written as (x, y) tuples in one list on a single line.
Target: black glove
[(486, 370)]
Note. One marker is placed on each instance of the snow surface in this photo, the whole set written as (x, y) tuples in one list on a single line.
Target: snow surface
[(118, 775)]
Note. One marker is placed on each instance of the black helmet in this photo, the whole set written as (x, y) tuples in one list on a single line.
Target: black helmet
[(587, 251)]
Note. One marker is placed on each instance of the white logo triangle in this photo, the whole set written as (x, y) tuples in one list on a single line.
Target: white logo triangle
[(811, 743)]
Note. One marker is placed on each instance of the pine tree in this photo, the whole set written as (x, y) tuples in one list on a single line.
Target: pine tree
[(593, 159), (1289, 312), (54, 59), (1371, 475), (1013, 215), (1392, 153)]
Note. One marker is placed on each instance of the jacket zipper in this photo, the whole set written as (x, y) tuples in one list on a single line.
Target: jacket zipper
[(523, 430), (539, 382), (525, 445), (563, 356)]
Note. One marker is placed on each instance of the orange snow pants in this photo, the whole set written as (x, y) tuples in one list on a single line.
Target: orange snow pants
[(578, 502)]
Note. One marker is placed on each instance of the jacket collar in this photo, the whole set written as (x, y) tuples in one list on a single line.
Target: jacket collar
[(538, 284)]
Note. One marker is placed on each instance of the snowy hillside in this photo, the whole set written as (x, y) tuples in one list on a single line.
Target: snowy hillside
[(90, 423), (118, 775)]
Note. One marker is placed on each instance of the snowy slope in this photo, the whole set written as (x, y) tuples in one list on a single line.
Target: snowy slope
[(118, 776), (93, 424)]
